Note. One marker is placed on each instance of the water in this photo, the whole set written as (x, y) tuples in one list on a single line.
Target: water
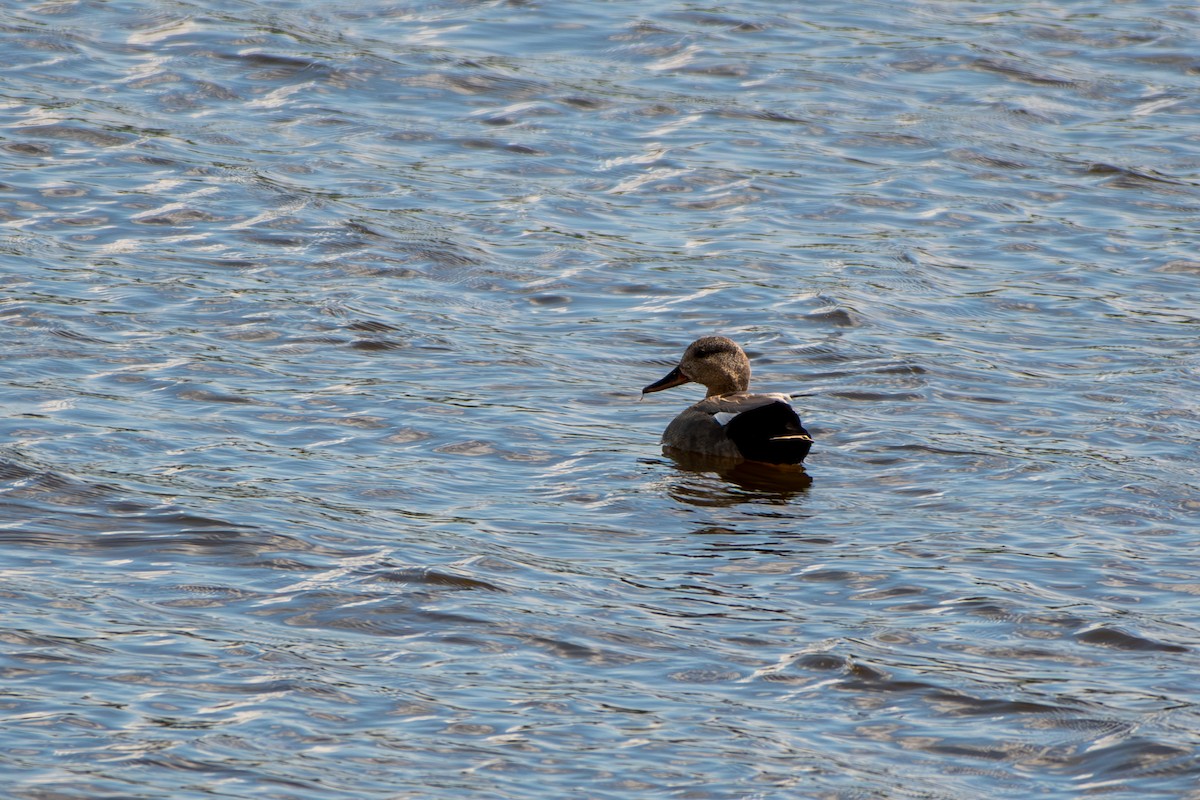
[(324, 472)]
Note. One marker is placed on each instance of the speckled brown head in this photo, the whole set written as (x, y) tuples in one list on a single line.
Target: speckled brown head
[(714, 361)]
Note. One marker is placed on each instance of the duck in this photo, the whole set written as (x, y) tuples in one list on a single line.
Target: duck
[(730, 423)]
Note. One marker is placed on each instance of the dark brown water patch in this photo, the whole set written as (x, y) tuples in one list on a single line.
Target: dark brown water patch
[(837, 317), (763, 115), (717, 70), (75, 336), (470, 448), (898, 369), (197, 596), (198, 394), (549, 300), (149, 160), (427, 576), (1118, 639), (371, 326), (657, 110), (865, 678), (406, 436), (81, 222), (825, 662), (1184, 63), (441, 252), (492, 144), (33, 149), (716, 20), (1180, 266), (49, 486), (377, 345), (891, 592), (1137, 755), (181, 216), (75, 133), (964, 705), (1014, 70), (829, 576), (272, 67), (272, 239), (585, 103), (971, 156), (1129, 178), (488, 83)]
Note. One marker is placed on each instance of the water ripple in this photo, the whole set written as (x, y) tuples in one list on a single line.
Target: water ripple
[(324, 472)]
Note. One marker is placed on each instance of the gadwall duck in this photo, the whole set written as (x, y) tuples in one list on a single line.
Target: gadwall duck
[(730, 422)]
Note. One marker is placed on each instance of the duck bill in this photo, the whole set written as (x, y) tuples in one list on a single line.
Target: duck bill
[(673, 378)]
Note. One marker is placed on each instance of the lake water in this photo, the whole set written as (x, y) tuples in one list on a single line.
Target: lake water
[(324, 470)]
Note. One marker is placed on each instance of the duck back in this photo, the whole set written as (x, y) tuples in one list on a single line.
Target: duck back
[(770, 433)]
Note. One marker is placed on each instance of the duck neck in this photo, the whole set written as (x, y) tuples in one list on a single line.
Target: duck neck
[(724, 387)]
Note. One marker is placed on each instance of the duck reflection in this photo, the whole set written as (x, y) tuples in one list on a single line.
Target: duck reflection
[(709, 481)]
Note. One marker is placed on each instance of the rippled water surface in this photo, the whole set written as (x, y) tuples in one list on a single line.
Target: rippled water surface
[(323, 470)]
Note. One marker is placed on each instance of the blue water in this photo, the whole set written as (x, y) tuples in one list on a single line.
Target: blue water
[(323, 471)]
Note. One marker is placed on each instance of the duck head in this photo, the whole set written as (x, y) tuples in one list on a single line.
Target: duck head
[(715, 362)]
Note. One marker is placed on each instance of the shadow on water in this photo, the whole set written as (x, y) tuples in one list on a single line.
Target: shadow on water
[(707, 481)]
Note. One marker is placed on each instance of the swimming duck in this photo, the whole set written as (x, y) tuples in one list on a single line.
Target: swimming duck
[(730, 422)]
